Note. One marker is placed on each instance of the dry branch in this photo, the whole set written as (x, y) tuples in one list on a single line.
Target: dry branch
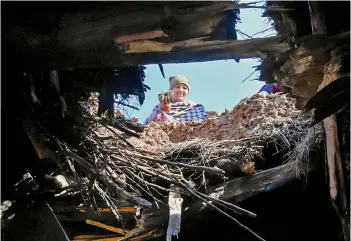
[(201, 168)]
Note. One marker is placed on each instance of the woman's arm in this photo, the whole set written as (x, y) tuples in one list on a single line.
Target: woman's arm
[(158, 114), (153, 115)]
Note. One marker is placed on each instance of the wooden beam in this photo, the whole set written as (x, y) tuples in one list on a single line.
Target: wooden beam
[(233, 191), (50, 56), (336, 176), (203, 44)]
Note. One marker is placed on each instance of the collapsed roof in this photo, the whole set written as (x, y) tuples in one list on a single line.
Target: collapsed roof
[(97, 38), (69, 35)]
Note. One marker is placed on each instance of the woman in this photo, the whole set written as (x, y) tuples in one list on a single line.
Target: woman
[(174, 106)]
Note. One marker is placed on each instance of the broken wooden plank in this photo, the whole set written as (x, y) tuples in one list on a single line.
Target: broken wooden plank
[(337, 86), (202, 44), (332, 154), (233, 191), (175, 201), (140, 36), (335, 172), (69, 210), (243, 188), (107, 210), (336, 175), (143, 235), (145, 52), (107, 227), (92, 237), (309, 61), (331, 99)]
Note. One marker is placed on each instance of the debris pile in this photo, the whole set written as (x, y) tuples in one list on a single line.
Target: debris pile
[(119, 164), (239, 123), (260, 117)]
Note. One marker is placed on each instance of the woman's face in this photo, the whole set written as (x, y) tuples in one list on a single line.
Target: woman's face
[(179, 93)]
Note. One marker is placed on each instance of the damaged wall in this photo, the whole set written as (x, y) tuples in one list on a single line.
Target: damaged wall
[(312, 59)]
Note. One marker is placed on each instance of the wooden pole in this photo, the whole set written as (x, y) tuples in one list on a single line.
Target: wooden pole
[(317, 17), (334, 157)]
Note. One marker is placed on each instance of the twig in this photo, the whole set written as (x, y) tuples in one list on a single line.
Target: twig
[(103, 196), (130, 106), (181, 185), (255, 2), (270, 8), (148, 183), (125, 195), (125, 130), (215, 170), (119, 136), (241, 32), (271, 28), (232, 206), (233, 141), (249, 76), (147, 192)]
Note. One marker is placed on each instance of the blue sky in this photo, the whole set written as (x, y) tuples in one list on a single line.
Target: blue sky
[(217, 84)]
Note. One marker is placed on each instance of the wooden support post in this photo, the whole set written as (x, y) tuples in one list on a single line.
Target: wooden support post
[(336, 175), (106, 99), (317, 17), (334, 161)]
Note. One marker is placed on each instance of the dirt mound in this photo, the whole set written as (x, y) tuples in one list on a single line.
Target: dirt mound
[(235, 124)]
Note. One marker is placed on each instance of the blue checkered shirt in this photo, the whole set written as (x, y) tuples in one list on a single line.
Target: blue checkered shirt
[(196, 113)]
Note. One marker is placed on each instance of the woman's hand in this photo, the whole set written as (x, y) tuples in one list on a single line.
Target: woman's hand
[(165, 100)]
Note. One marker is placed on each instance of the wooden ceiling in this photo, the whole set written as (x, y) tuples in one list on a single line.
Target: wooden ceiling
[(98, 34)]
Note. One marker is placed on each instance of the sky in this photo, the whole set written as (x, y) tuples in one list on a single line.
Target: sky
[(216, 84)]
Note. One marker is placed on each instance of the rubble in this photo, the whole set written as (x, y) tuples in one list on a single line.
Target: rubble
[(121, 165)]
